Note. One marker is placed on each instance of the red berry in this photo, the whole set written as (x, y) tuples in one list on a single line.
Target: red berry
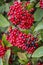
[(2, 51), (41, 4), (31, 10), (28, 64), (0, 41)]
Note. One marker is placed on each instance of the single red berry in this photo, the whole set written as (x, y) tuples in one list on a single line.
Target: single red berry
[(31, 10), (0, 41), (29, 63)]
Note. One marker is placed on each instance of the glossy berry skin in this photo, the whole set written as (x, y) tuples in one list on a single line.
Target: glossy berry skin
[(18, 15), (29, 64), (23, 41), (2, 51), (41, 4)]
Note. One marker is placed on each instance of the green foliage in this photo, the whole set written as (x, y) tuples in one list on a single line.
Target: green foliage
[(38, 53), (5, 42), (38, 15), (39, 26), (37, 5), (6, 57), (22, 58), (1, 62), (4, 8), (32, 0), (15, 50), (2, 2), (34, 61), (31, 5), (3, 21)]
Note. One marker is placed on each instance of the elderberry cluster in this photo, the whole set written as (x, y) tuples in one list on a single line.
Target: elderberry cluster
[(23, 41), (19, 16), (2, 50)]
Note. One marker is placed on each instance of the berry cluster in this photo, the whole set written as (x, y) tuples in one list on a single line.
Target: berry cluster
[(41, 4), (17, 38), (2, 50), (24, 41), (31, 43), (18, 15)]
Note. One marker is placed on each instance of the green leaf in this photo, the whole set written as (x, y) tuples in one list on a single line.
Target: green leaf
[(3, 29), (7, 7), (28, 55), (38, 53), (31, 5), (21, 61), (3, 21), (41, 32), (5, 42), (25, 30), (39, 26), (38, 15), (6, 57), (38, 4), (4, 8), (22, 56), (1, 62), (34, 61), (15, 49), (31, 0)]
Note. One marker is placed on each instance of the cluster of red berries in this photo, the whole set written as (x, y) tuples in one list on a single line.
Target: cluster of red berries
[(17, 38), (18, 15), (2, 50), (24, 41), (31, 43), (41, 4)]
